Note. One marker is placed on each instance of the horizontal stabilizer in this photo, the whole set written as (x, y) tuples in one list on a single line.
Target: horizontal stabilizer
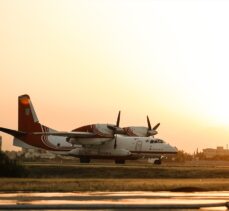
[(14, 133)]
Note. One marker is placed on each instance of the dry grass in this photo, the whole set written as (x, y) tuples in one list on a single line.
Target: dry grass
[(125, 171), (105, 177), (64, 185)]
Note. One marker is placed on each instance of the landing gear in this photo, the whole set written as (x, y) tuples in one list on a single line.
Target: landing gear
[(157, 162), (120, 161), (85, 160)]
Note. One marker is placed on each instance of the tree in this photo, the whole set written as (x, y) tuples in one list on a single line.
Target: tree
[(10, 168)]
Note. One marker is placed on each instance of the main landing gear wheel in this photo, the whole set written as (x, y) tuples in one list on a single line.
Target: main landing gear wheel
[(85, 160), (157, 162), (120, 161)]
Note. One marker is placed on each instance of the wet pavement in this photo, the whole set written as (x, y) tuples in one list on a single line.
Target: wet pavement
[(113, 200)]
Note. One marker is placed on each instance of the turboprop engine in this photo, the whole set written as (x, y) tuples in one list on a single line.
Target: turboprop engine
[(91, 152), (142, 131), (137, 131)]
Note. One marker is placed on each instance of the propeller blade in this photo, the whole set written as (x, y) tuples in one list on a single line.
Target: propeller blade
[(118, 119), (115, 143), (156, 126), (148, 122), (116, 129)]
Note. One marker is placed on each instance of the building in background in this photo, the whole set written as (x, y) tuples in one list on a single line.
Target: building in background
[(28, 153), (37, 153), (219, 151)]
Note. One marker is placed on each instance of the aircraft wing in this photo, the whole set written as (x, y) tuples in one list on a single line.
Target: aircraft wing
[(67, 134), (74, 134)]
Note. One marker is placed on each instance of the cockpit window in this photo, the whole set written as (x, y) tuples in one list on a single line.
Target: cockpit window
[(156, 141), (160, 141)]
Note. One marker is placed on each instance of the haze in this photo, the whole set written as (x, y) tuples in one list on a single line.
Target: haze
[(83, 61)]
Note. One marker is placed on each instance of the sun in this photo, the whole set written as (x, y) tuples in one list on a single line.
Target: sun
[(219, 112), (216, 109)]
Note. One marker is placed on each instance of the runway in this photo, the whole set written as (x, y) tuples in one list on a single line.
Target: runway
[(114, 201)]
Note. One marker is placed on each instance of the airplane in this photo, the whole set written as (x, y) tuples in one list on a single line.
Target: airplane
[(94, 141)]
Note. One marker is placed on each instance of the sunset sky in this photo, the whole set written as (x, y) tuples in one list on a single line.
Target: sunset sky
[(83, 61)]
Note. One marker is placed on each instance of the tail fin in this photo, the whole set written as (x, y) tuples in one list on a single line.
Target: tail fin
[(27, 118), (28, 124)]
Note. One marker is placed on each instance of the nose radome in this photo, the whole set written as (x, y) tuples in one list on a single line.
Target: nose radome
[(175, 150), (172, 149)]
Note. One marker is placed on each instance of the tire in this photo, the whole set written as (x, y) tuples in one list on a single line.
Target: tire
[(120, 161), (85, 160), (157, 162)]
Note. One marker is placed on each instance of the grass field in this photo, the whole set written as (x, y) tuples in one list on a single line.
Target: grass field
[(69, 185), (109, 171), (109, 177)]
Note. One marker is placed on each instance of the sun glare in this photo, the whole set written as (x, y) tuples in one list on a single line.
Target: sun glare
[(218, 112), (213, 100), (167, 59)]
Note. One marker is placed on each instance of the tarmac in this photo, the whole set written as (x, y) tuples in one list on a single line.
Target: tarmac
[(114, 201)]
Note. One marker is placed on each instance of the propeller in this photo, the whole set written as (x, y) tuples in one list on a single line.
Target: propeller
[(115, 142), (118, 119), (151, 131), (156, 126), (149, 124), (116, 129)]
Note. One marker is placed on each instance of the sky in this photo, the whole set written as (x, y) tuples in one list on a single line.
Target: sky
[(83, 61)]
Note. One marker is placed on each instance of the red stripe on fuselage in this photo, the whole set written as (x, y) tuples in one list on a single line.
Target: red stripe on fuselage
[(40, 141)]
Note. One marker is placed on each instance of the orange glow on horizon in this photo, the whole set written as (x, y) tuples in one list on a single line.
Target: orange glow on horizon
[(141, 57)]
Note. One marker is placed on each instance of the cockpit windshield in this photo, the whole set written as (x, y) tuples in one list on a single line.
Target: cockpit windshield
[(153, 141)]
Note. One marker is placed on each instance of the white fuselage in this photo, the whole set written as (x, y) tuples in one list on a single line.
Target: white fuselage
[(125, 146)]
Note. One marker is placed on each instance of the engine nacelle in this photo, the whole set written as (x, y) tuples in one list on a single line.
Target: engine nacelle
[(139, 131), (152, 132), (136, 131)]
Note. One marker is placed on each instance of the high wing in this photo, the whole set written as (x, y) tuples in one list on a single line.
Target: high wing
[(76, 137), (67, 134), (74, 134)]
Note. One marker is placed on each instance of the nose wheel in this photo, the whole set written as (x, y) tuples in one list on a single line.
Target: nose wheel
[(120, 161), (85, 160), (157, 162)]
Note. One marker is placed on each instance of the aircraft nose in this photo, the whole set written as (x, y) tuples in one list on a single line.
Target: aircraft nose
[(174, 149)]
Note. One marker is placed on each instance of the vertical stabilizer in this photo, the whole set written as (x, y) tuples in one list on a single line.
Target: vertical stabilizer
[(27, 118)]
